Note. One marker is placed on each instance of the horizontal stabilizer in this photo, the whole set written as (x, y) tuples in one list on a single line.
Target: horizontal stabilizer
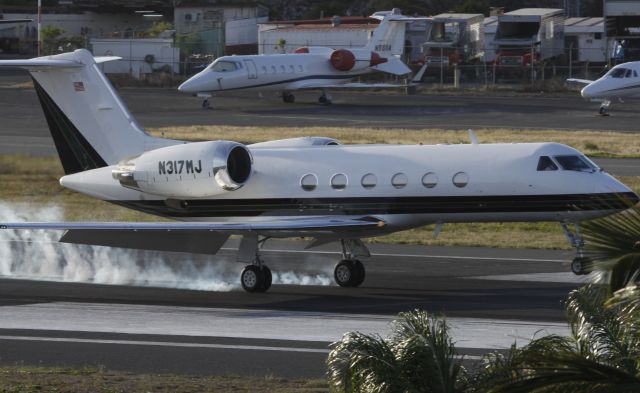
[(39, 63), (393, 66), (579, 81)]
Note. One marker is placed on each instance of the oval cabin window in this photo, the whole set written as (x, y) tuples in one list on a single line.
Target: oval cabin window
[(369, 181), (399, 180), (309, 182), (460, 179), (430, 180), (339, 181)]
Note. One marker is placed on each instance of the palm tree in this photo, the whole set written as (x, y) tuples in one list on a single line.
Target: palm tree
[(613, 245), (602, 354), (419, 356)]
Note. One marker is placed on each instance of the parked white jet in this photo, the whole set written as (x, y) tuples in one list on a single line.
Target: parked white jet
[(312, 187), (621, 81), (317, 68)]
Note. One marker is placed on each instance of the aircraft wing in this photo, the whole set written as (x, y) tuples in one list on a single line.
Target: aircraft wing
[(579, 81), (194, 237), (294, 224)]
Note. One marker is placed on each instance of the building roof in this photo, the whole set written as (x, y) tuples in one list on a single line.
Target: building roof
[(451, 15), (584, 25), (534, 11), (344, 20)]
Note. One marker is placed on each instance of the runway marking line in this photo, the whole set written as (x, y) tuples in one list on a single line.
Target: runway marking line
[(180, 345), (163, 344), (411, 255)]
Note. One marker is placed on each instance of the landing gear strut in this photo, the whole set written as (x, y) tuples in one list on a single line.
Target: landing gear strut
[(581, 264), (350, 272), (206, 104), (255, 277)]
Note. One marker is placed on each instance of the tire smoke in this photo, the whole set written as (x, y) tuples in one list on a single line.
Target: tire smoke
[(37, 255)]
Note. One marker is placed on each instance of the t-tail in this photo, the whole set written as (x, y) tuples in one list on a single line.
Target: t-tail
[(90, 125), (388, 39)]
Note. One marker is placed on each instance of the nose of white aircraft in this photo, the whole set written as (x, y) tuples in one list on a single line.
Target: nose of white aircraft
[(188, 86), (195, 84), (590, 91)]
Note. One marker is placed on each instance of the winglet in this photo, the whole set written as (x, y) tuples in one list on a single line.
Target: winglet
[(418, 76), (473, 137)]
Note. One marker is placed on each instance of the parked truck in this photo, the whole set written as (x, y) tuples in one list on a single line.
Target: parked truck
[(454, 39), (529, 35)]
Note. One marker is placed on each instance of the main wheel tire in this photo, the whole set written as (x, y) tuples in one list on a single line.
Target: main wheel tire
[(205, 104), (344, 273), (267, 278), (251, 279), (324, 100), (359, 273)]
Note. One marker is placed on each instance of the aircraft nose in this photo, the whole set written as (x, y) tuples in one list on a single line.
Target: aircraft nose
[(589, 91), (187, 86)]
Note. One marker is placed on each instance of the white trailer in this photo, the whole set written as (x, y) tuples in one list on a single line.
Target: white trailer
[(622, 21), (455, 39), (527, 32)]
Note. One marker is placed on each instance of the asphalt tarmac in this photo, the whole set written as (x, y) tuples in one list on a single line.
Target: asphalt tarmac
[(491, 297)]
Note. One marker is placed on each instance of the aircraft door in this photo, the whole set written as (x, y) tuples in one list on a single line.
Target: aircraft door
[(252, 71)]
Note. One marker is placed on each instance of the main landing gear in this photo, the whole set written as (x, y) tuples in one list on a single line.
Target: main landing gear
[(350, 272), (288, 98), (581, 264), (325, 98), (257, 277)]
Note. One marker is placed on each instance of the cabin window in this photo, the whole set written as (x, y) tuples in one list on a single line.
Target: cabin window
[(628, 74), (339, 181), (225, 66), (300, 68), (618, 72), (460, 179), (283, 69), (264, 69), (273, 69), (576, 163), (635, 73), (597, 36), (369, 181), (545, 164), (429, 180), (309, 182), (399, 180), (292, 69)]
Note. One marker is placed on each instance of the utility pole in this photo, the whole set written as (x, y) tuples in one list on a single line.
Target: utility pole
[(39, 26)]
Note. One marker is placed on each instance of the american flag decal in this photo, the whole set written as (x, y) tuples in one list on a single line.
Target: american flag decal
[(78, 86)]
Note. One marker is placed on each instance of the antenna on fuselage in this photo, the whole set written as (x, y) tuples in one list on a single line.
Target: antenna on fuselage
[(473, 137)]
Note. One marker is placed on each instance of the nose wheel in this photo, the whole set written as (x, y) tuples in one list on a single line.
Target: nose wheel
[(288, 97), (206, 104), (581, 264), (604, 108)]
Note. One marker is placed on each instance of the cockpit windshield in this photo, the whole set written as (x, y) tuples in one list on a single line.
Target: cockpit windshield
[(619, 72), (576, 163), (225, 66)]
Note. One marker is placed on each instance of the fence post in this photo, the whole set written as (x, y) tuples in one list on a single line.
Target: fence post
[(456, 77), (441, 67)]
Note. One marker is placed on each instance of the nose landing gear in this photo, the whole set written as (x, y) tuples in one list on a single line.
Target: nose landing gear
[(581, 264)]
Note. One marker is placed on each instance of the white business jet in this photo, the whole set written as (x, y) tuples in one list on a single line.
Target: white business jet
[(317, 68), (621, 81), (304, 187)]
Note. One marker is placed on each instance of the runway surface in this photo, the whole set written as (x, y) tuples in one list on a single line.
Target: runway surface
[(491, 297)]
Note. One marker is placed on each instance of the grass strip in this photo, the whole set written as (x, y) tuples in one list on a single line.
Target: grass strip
[(26, 379)]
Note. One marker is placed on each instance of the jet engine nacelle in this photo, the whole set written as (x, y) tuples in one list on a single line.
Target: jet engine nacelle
[(191, 170), (353, 60)]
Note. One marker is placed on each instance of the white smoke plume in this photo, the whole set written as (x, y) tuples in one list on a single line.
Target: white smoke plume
[(37, 255)]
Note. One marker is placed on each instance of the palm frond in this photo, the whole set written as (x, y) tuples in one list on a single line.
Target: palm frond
[(613, 245), (363, 363)]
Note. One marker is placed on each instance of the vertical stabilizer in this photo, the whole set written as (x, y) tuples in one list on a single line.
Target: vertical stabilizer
[(89, 123)]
